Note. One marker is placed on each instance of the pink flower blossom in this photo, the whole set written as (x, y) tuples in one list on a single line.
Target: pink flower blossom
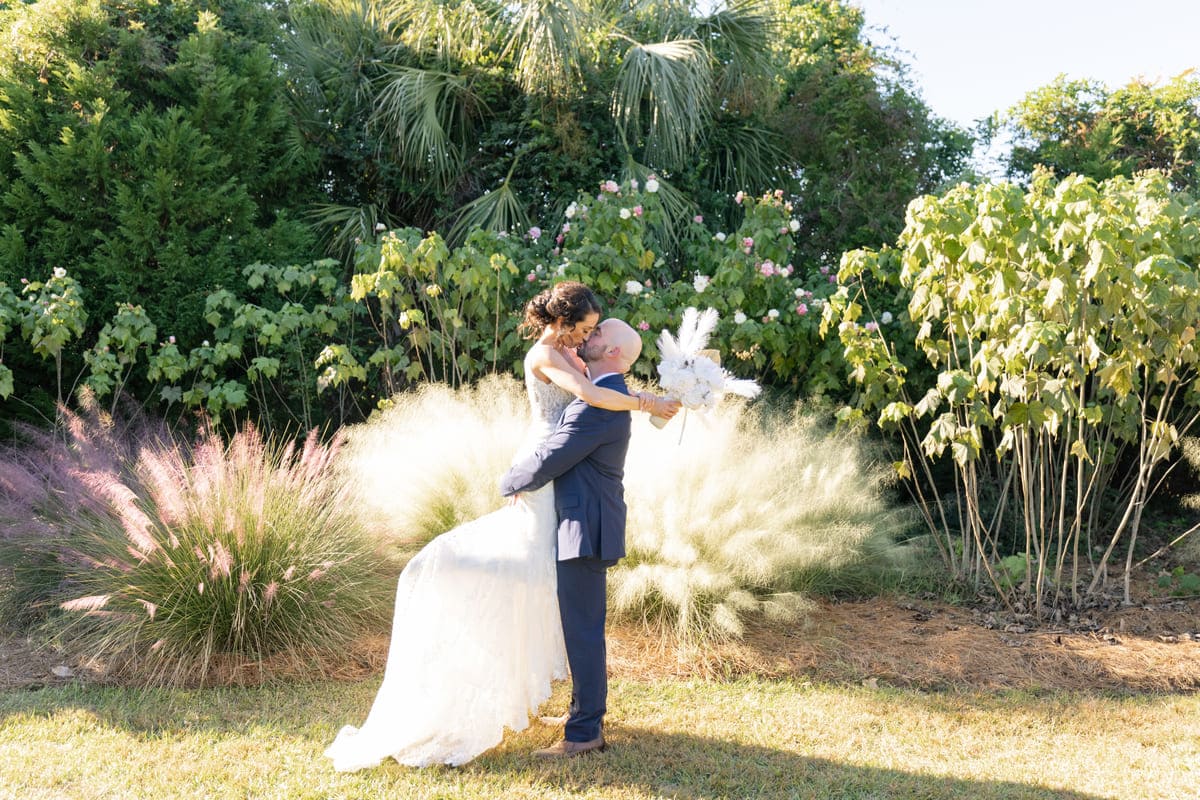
[(872, 326), (698, 219), (767, 268), (833, 278), (611, 187), (802, 309), (739, 197), (824, 270), (531, 277), (171, 339), (566, 228), (787, 271), (643, 326), (747, 242), (535, 233), (558, 239), (637, 211)]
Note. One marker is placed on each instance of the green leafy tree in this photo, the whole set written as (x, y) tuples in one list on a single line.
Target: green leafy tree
[(856, 128), (143, 149), (1084, 127)]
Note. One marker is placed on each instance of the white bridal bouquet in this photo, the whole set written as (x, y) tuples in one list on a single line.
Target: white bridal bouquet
[(691, 374)]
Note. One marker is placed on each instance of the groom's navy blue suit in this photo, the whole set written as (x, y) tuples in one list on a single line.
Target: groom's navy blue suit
[(585, 457)]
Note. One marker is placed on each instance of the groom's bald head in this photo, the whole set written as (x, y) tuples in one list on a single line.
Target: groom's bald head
[(612, 347)]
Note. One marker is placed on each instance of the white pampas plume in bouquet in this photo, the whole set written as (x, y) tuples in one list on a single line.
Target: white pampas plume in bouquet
[(691, 374)]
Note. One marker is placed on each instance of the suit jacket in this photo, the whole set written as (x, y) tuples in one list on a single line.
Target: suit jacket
[(585, 457)]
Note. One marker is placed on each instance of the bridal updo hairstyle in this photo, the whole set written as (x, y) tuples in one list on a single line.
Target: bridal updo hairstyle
[(566, 303)]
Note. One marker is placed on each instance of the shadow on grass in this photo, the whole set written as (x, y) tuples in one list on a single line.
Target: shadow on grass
[(640, 761), (691, 767)]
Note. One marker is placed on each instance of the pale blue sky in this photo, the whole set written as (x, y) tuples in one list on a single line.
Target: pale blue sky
[(972, 57)]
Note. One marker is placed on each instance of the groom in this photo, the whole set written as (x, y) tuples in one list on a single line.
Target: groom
[(585, 457)]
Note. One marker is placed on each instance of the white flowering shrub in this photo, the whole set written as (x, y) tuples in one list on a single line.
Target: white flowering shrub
[(737, 512)]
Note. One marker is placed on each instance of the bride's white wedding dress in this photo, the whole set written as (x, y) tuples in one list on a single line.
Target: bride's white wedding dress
[(476, 636)]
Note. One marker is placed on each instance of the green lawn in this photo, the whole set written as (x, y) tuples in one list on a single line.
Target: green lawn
[(687, 739)]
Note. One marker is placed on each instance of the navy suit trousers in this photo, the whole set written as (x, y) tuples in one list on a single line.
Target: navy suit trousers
[(582, 604)]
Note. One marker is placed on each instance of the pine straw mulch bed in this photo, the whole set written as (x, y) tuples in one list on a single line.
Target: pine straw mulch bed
[(1149, 647)]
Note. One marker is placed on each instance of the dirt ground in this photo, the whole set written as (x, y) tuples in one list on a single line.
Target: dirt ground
[(1149, 647)]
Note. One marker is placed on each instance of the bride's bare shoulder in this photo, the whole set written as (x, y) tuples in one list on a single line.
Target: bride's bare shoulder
[(539, 353)]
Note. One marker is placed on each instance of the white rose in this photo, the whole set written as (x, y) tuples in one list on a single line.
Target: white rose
[(886, 318), (739, 317), (720, 237), (571, 210), (700, 283), (652, 186), (379, 227), (633, 287), (794, 225), (59, 272), (799, 294), (626, 213), (773, 313), (633, 184)]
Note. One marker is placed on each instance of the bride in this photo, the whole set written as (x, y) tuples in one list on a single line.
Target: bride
[(476, 635)]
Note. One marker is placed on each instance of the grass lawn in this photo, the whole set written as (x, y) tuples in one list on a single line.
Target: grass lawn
[(669, 739)]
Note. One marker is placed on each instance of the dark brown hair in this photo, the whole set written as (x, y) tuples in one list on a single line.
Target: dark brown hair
[(566, 303)]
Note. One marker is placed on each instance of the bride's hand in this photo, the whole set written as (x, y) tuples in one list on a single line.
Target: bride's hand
[(665, 407)]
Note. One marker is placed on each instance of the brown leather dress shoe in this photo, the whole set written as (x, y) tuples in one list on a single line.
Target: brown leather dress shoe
[(565, 749)]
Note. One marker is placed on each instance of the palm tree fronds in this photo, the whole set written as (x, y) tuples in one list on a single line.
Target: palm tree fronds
[(662, 96), (737, 37), (548, 46), (496, 210), (676, 205), (343, 228), (423, 115), (451, 30), (748, 157)]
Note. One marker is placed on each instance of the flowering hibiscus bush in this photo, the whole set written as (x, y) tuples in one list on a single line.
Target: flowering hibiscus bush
[(300, 345), (769, 305)]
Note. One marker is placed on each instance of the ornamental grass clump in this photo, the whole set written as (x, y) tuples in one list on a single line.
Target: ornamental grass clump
[(748, 513), (176, 564), (433, 459), (750, 510)]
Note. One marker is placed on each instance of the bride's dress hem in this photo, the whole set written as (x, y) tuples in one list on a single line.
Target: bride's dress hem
[(476, 636)]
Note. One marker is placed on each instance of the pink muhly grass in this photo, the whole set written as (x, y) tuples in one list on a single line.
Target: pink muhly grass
[(220, 561), (164, 475), (123, 501), (164, 557), (91, 603)]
